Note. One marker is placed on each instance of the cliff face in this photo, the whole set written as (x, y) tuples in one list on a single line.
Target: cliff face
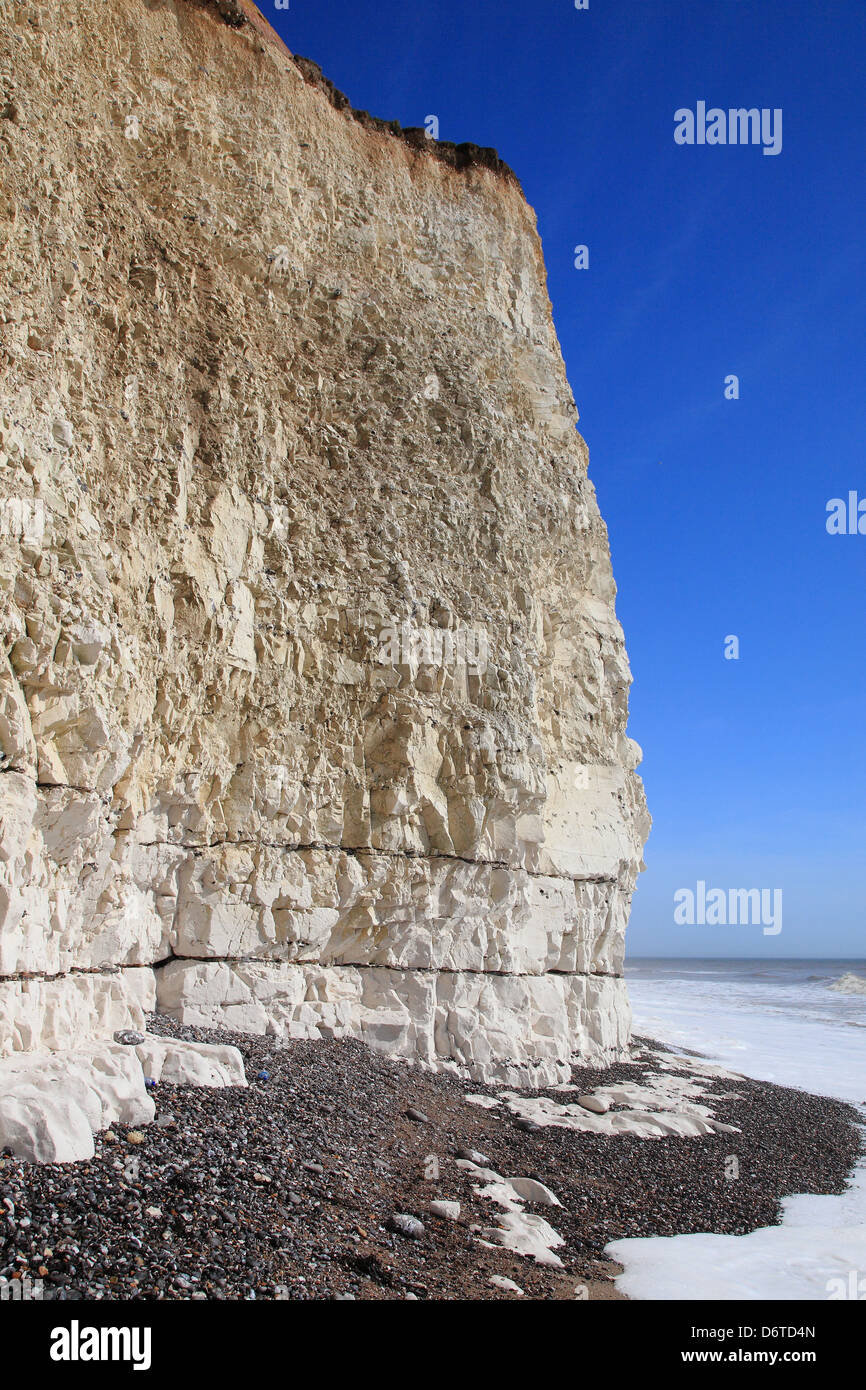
[(312, 695)]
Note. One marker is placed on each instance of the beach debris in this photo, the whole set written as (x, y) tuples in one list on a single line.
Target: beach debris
[(448, 1210), (500, 1281), (527, 1123), (472, 1156), (663, 1103)]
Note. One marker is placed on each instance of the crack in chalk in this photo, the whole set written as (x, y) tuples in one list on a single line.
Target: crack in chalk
[(357, 851), (398, 969), (25, 975)]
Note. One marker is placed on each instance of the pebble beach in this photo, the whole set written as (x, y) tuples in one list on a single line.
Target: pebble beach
[(339, 1174)]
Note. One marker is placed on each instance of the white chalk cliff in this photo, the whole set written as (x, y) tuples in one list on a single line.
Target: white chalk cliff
[(277, 382)]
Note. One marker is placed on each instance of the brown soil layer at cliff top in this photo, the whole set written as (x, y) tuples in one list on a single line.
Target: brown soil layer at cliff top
[(285, 1189), (238, 13)]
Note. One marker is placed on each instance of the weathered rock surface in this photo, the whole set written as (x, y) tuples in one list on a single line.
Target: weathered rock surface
[(313, 698), (524, 1232), (51, 1106), (66, 1012), (190, 1064), (674, 1098)]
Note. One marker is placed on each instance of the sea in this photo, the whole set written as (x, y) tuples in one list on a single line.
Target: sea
[(799, 1023)]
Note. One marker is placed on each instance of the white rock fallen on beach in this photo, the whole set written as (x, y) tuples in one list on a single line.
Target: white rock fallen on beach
[(501, 1282), (641, 1123), (52, 1104), (44, 1126), (528, 1190), (449, 1210), (526, 1234), (520, 1231), (660, 1105), (472, 1156), (598, 1105), (180, 1063), (484, 1102), (687, 1061)]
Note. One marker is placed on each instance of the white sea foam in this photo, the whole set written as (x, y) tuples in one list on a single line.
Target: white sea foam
[(812, 1255), (783, 1025), (777, 1023)]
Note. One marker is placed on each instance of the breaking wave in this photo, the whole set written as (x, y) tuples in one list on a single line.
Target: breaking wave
[(849, 984)]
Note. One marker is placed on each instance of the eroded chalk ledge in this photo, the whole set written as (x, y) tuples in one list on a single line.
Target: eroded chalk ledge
[(519, 1030)]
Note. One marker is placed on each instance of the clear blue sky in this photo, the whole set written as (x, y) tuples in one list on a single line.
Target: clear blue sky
[(704, 261)]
